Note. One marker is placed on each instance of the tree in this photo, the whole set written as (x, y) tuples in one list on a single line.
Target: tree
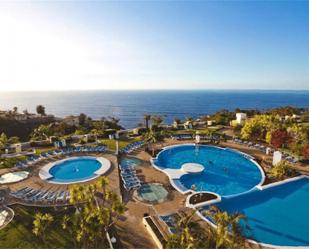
[(41, 223), (306, 151), (257, 127), (297, 133), (228, 231), (147, 118), (40, 109), (281, 170), (223, 117), (156, 120), (82, 118), (151, 137), (41, 133), (96, 213), (188, 234), (15, 109), (279, 138), (3, 140), (13, 140)]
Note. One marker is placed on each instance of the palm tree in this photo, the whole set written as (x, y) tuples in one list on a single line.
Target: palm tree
[(69, 224), (41, 223), (228, 232), (156, 120), (3, 140), (15, 109), (151, 138), (40, 109), (95, 133), (95, 213), (188, 234), (147, 118), (236, 230)]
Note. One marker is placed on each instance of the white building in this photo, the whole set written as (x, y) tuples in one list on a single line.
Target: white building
[(241, 117), (277, 157)]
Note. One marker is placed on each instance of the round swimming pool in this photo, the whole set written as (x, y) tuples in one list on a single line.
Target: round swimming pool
[(75, 169), (226, 172)]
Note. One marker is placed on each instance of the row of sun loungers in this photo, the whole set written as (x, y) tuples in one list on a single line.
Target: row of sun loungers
[(131, 147), (189, 136), (3, 215), (129, 177), (40, 196), (182, 137), (253, 145), (262, 148), (65, 151), (170, 221)]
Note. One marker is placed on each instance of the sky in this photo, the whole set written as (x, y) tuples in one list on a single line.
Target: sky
[(154, 45)]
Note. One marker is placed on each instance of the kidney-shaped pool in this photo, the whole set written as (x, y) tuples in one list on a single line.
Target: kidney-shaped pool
[(226, 172)]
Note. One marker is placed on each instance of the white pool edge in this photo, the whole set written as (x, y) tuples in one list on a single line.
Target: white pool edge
[(45, 175)]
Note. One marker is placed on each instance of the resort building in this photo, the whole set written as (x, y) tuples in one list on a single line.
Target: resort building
[(241, 117)]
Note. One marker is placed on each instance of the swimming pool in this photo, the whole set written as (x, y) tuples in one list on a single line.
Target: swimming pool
[(130, 161), (226, 172), (152, 193), (75, 169), (277, 215)]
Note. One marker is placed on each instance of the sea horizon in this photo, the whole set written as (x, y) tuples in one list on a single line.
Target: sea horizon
[(130, 106)]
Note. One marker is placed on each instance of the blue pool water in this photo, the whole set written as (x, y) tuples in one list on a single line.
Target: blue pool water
[(226, 172), (75, 169), (278, 215), (130, 161)]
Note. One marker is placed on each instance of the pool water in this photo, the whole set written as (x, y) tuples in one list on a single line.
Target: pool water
[(277, 215), (152, 192), (75, 169), (226, 172), (130, 161)]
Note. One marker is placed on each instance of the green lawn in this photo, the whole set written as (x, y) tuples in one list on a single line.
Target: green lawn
[(18, 234), (111, 144)]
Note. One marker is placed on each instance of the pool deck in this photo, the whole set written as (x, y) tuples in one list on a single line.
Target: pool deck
[(130, 229), (34, 181)]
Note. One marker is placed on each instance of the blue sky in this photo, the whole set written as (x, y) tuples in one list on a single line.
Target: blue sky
[(154, 45)]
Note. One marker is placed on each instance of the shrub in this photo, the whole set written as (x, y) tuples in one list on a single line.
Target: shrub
[(306, 151), (281, 170)]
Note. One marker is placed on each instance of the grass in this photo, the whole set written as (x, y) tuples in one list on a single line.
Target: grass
[(123, 142), (18, 234)]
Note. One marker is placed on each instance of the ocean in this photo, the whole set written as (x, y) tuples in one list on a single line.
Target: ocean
[(130, 106)]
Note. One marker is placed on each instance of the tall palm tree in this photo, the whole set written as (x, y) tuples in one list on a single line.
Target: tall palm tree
[(3, 140), (41, 223), (188, 234), (147, 118), (228, 232), (95, 213), (151, 138), (236, 230), (157, 120)]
